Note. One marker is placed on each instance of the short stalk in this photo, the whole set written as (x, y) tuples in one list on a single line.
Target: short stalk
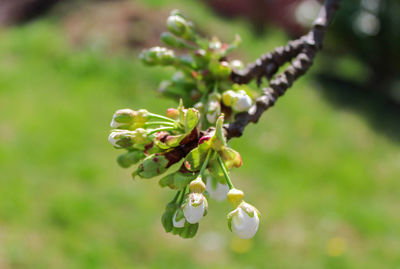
[(204, 166), (152, 123), (162, 129), (228, 180), (156, 116)]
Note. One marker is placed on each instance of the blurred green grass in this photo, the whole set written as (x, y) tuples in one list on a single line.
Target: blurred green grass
[(325, 182)]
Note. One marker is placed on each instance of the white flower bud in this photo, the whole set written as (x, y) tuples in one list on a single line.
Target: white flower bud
[(242, 102), (122, 117), (195, 207), (244, 220), (216, 190), (117, 135), (180, 223)]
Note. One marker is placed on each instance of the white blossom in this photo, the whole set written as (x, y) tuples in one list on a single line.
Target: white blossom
[(244, 221), (242, 101), (195, 207), (218, 191)]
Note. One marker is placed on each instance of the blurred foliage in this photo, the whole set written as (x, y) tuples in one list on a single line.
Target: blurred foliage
[(326, 182), (365, 34)]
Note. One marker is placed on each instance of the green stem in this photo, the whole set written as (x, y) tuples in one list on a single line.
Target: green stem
[(159, 123), (176, 197), (152, 115), (162, 129), (183, 195), (204, 166), (228, 180)]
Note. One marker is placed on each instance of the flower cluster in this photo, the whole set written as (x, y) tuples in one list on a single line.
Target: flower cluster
[(187, 149)]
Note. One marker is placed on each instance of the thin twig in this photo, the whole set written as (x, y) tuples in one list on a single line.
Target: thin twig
[(302, 51)]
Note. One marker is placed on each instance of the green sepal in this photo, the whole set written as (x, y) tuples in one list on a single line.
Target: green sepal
[(218, 140), (229, 218)]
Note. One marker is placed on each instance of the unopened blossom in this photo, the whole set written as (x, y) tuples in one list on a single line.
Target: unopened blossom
[(242, 101), (244, 220), (216, 190), (195, 207)]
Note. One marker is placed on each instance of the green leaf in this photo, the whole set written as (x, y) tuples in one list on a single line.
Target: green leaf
[(191, 119), (152, 166)]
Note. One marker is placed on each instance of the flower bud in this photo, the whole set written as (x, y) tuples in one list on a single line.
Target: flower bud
[(179, 26), (216, 190), (195, 207), (213, 111), (171, 40), (172, 113), (121, 138), (179, 219), (122, 118), (140, 136), (244, 220), (197, 185), (158, 55), (242, 102), (220, 69), (228, 97), (235, 197), (236, 65)]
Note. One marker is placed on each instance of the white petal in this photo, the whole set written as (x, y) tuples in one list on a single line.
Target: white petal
[(211, 117), (218, 192), (178, 224), (243, 103), (115, 124), (243, 225), (193, 214), (112, 139)]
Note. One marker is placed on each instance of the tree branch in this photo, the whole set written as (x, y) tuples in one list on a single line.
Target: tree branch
[(302, 51)]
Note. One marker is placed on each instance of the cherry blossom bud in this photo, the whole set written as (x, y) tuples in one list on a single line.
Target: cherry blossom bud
[(235, 197), (213, 107), (195, 207), (122, 118), (121, 138), (158, 55), (216, 190), (244, 220), (172, 113), (236, 65), (228, 97), (242, 102), (179, 26), (220, 69), (197, 185)]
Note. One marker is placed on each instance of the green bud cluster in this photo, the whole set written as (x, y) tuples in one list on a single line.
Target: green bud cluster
[(187, 149)]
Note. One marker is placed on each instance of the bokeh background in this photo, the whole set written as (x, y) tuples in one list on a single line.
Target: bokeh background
[(323, 165)]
